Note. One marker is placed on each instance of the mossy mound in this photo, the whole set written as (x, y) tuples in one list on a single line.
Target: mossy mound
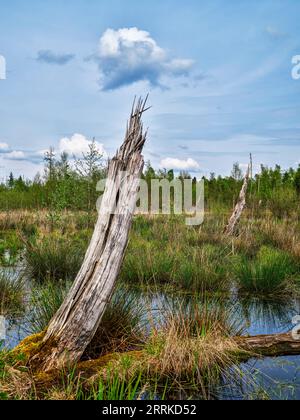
[(29, 347), (87, 371)]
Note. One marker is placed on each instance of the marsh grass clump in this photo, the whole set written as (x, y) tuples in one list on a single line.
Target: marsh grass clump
[(201, 312), (123, 327), (55, 257), (283, 234), (45, 301), (112, 383), (10, 247), (146, 263), (204, 269), (12, 292), (176, 265), (194, 344), (271, 272), (83, 220)]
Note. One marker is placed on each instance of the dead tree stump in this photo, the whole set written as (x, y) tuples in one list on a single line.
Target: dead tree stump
[(240, 206), (75, 324)]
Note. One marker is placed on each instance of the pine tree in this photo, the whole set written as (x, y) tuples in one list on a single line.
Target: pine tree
[(11, 181)]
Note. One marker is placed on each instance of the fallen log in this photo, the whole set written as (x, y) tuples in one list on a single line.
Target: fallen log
[(75, 324), (240, 206), (275, 345)]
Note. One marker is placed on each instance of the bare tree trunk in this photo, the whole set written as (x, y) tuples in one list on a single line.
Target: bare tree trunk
[(76, 322), (239, 208)]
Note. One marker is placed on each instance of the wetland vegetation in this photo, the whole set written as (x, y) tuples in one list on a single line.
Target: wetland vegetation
[(184, 293)]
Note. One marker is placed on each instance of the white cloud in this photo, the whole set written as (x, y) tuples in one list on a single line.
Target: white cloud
[(129, 55), (180, 165), (3, 147), (15, 155), (78, 144)]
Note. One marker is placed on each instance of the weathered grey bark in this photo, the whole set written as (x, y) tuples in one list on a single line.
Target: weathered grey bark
[(270, 345), (240, 206), (76, 322)]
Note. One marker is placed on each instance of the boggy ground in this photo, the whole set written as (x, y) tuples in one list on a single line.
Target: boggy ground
[(135, 354)]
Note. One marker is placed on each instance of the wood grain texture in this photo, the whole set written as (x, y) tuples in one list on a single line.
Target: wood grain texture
[(270, 345)]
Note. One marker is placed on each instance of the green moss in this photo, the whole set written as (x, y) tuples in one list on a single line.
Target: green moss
[(29, 346)]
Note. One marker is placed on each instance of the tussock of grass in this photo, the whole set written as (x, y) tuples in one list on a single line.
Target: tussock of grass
[(269, 273), (10, 247), (175, 264), (54, 258), (45, 302), (122, 328), (202, 269), (12, 293)]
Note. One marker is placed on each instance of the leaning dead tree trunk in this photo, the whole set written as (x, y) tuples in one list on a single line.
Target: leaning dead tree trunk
[(75, 324), (240, 206)]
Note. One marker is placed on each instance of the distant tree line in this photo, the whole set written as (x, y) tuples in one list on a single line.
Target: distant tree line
[(70, 183)]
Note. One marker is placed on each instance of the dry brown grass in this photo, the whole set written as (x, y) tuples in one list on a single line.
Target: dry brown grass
[(284, 235), (17, 384)]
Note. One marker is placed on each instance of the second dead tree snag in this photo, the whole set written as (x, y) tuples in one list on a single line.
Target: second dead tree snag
[(75, 324), (240, 206)]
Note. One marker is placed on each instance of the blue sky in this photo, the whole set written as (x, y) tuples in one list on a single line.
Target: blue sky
[(218, 74)]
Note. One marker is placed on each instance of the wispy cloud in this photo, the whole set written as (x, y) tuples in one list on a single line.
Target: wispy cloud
[(183, 147), (274, 32), (130, 55), (50, 57)]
